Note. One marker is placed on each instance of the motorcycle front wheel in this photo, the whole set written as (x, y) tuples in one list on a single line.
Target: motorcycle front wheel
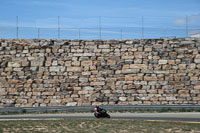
[(108, 116)]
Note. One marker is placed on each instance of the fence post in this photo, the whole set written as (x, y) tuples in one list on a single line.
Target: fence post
[(142, 27), (38, 33), (58, 27), (17, 27), (100, 27), (186, 25), (165, 30), (79, 33), (121, 33)]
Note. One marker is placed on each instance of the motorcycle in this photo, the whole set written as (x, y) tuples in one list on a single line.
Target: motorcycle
[(101, 114)]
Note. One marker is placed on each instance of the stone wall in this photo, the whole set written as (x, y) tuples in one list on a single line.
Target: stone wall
[(73, 73)]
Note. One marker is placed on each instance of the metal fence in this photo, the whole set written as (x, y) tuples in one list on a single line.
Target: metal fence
[(100, 27)]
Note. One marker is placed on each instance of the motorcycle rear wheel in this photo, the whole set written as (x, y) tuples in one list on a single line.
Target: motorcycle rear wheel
[(96, 115)]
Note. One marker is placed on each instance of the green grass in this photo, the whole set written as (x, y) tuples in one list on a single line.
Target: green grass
[(95, 126)]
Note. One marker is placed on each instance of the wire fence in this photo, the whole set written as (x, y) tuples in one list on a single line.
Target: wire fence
[(99, 28)]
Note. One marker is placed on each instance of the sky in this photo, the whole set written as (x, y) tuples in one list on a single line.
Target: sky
[(116, 18)]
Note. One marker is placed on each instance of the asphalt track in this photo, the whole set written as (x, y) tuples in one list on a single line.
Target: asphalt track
[(107, 107), (190, 117)]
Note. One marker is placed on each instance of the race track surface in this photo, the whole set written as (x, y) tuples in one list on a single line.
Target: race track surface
[(190, 117)]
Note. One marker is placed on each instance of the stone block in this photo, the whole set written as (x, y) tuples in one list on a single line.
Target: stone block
[(88, 54), (128, 57), (71, 104), (48, 50), (138, 78), (2, 91), (193, 78), (43, 104), (86, 63), (14, 64), (74, 69), (35, 63), (129, 78), (138, 66), (96, 103), (123, 99), (172, 53), (48, 93), (196, 98), (183, 92), (13, 52), (25, 51), (148, 78), (126, 67), (142, 91), (86, 73), (36, 93), (13, 81), (74, 96), (148, 49), (171, 98), (161, 71), (54, 69), (104, 46), (56, 101), (68, 63), (182, 66), (2, 79), (171, 62), (197, 60), (140, 82), (105, 50), (153, 91), (195, 91), (197, 87), (33, 68), (83, 92), (83, 80), (60, 50), (163, 62), (54, 63), (107, 92), (91, 43), (111, 62), (19, 100), (76, 63), (147, 102), (79, 54), (129, 71), (8, 101), (137, 61), (88, 88), (197, 56), (17, 69), (77, 88), (97, 83), (25, 63), (62, 68)]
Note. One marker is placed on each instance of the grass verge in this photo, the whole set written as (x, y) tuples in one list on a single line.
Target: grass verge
[(96, 126)]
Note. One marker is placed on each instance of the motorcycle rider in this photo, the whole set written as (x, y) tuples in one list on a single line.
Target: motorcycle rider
[(99, 109), (100, 112)]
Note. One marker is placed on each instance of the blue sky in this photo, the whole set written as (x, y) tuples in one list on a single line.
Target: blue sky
[(115, 14)]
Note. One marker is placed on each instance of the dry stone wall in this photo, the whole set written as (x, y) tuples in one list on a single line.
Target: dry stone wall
[(76, 72)]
